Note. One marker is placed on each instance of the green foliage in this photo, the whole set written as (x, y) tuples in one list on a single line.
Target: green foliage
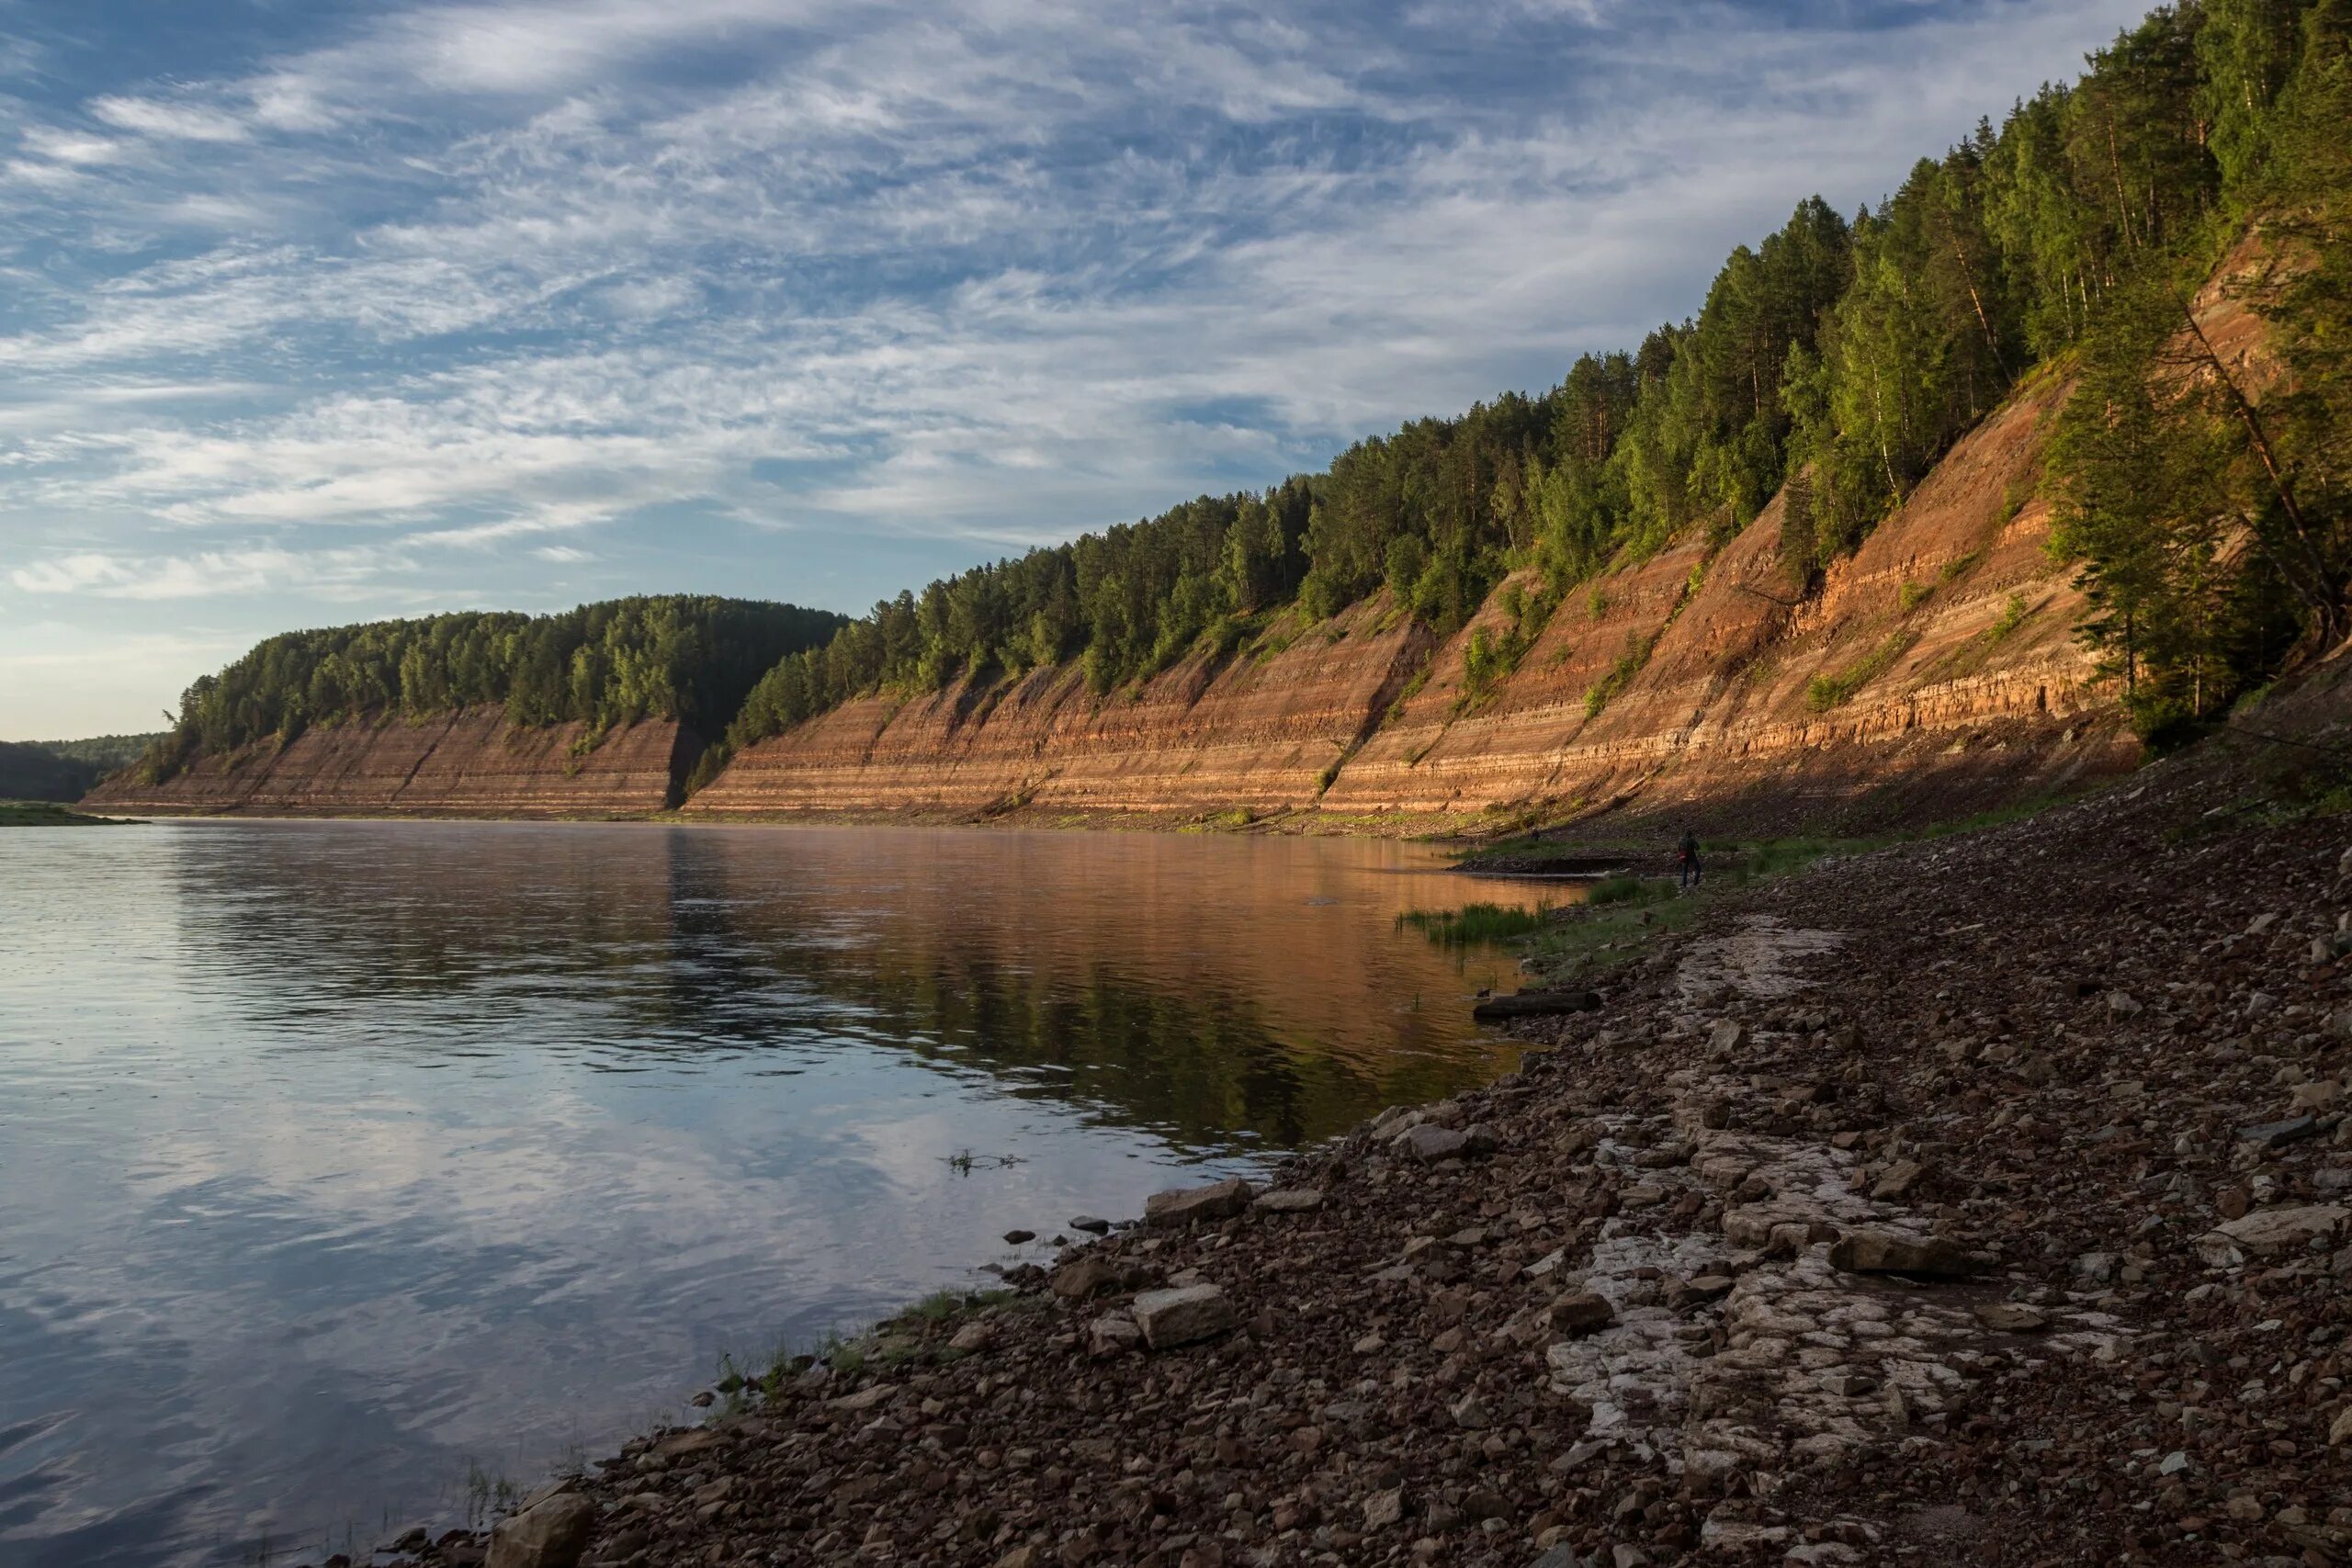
[(2013, 615), (1910, 595), (47, 814), (686, 657), (1611, 890), (1619, 675), (2214, 517), (1475, 925), (1487, 658)]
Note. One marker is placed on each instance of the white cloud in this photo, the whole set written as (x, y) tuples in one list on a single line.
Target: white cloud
[(471, 274), (176, 121), (70, 146)]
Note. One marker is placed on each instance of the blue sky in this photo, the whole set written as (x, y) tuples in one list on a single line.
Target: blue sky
[(316, 310)]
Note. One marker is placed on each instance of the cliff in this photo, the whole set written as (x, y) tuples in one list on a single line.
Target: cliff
[(1939, 659), (1256, 730), (467, 763), (1933, 672)]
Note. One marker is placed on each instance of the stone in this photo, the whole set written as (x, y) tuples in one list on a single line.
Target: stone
[(2318, 1095), (2272, 1134), (1114, 1334), (1014, 1238), (1186, 1205), (867, 1399), (1430, 1144), (1728, 1036), (1289, 1199), (2011, 1317), (1580, 1312), (1090, 1276), (2267, 1232), (1091, 1225), (1898, 1180), (552, 1535), (1170, 1318), (2340, 1434), (970, 1338), (1877, 1252), (1385, 1510)]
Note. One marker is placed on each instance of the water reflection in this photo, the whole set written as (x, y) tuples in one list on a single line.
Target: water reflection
[(336, 1156)]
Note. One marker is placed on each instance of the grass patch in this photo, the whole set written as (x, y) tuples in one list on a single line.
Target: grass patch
[(1826, 691), (1474, 923), (1911, 595), (1611, 890), (2013, 616), (49, 814), (1960, 567)]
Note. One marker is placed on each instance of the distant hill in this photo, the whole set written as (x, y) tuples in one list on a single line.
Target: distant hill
[(64, 770)]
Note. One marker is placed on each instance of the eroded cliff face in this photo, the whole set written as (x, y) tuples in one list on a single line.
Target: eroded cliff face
[(469, 764), (1258, 731), (1939, 659)]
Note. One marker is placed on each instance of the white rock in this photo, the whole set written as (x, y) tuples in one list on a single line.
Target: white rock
[(1169, 1318), (2266, 1233)]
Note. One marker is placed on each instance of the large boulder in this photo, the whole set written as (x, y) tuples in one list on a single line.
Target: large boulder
[(1184, 1205), (551, 1534), (1169, 1318)]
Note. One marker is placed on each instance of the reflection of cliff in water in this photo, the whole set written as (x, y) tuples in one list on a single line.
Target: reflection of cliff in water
[(1213, 990)]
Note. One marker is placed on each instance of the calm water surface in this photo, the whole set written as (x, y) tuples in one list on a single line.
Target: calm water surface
[(342, 1161)]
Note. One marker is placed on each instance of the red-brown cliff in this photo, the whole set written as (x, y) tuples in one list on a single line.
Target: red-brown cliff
[(469, 764)]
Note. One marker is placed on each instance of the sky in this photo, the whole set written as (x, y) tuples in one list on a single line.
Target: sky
[(315, 312)]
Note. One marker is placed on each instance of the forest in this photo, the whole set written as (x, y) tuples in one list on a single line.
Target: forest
[(1838, 357), (688, 658)]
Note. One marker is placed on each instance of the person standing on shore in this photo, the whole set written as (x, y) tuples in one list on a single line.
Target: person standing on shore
[(1689, 857)]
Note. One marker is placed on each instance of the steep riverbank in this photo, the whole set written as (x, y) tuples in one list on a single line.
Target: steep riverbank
[(1881, 1213), (467, 763), (1935, 672)]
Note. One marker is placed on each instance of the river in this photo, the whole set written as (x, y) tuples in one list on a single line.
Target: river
[(348, 1169)]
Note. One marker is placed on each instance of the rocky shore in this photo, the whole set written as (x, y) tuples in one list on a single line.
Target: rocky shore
[(1984, 1199)]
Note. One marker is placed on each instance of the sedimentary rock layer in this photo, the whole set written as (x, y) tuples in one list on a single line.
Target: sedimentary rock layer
[(1261, 729), (470, 763)]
